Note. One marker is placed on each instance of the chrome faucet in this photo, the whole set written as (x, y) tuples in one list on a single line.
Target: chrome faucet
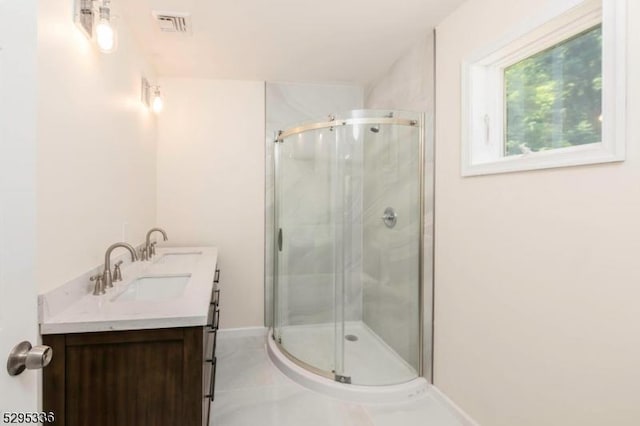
[(106, 275), (151, 250)]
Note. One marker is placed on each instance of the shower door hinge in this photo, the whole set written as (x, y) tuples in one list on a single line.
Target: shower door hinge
[(343, 379)]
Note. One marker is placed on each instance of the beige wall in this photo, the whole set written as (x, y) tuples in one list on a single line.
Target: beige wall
[(408, 83), (537, 318), (211, 183), (96, 147)]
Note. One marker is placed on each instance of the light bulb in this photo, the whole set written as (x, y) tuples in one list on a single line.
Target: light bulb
[(105, 36), (157, 103), (105, 33)]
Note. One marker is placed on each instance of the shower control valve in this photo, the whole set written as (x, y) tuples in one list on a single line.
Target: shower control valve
[(390, 218)]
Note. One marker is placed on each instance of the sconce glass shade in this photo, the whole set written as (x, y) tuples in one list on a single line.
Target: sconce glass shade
[(158, 103), (105, 36), (105, 31)]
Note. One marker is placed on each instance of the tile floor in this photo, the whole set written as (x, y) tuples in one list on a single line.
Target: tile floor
[(250, 390)]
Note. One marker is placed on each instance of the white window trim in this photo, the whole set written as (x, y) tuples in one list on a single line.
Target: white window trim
[(483, 91)]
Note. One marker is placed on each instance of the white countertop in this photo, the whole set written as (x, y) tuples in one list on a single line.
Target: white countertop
[(89, 313)]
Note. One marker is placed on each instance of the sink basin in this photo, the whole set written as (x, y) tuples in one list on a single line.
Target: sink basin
[(155, 288), (179, 257)]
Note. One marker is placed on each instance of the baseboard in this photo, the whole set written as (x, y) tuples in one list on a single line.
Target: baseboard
[(463, 417), (242, 332)]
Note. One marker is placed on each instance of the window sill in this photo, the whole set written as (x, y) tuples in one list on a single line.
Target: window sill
[(562, 157)]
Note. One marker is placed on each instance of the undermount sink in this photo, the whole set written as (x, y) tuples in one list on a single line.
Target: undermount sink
[(179, 257), (154, 288)]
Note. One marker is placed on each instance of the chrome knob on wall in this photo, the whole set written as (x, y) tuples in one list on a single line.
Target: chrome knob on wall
[(24, 356), (390, 218)]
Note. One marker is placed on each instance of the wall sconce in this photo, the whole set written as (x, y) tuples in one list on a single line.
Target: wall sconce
[(158, 103), (85, 17), (145, 92), (151, 96), (105, 33)]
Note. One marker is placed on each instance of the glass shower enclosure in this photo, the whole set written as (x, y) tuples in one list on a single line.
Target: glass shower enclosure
[(348, 221)]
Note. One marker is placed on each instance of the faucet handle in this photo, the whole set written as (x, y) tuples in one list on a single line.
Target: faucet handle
[(152, 249), (144, 254), (98, 289), (117, 272)]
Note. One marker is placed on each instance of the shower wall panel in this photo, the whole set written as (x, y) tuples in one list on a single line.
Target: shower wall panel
[(391, 255), (409, 86)]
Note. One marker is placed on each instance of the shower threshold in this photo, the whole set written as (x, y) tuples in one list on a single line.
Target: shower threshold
[(377, 372)]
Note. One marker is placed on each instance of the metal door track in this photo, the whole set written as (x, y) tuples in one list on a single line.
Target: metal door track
[(343, 379)]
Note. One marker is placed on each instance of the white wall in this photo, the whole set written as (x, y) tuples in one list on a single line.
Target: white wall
[(537, 273), (96, 147), (211, 183), (408, 85)]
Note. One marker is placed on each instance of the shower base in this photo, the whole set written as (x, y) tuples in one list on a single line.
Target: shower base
[(369, 362)]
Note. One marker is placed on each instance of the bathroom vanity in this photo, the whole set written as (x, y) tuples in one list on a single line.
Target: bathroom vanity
[(142, 354)]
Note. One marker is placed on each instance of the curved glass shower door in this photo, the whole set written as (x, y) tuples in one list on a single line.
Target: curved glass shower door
[(347, 284), (307, 251)]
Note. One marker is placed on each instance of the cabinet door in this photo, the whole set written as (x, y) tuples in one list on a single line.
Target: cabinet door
[(148, 377), (130, 384)]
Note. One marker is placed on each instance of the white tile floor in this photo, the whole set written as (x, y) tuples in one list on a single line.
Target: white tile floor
[(252, 391)]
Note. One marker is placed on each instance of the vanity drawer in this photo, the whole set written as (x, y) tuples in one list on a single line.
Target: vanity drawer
[(211, 339), (215, 299), (211, 333), (210, 361), (209, 391)]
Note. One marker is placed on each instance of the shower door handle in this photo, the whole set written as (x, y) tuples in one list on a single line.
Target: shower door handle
[(280, 239)]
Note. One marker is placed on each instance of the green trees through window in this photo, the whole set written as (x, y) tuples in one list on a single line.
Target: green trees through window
[(554, 98)]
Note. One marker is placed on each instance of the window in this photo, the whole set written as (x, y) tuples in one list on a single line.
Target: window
[(552, 96)]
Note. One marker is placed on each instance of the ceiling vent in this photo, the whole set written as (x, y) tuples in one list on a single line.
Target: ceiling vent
[(173, 22)]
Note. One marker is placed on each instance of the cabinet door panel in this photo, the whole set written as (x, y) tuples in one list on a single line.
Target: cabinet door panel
[(124, 384)]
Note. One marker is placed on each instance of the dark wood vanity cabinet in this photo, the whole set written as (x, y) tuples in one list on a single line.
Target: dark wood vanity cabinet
[(133, 378)]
